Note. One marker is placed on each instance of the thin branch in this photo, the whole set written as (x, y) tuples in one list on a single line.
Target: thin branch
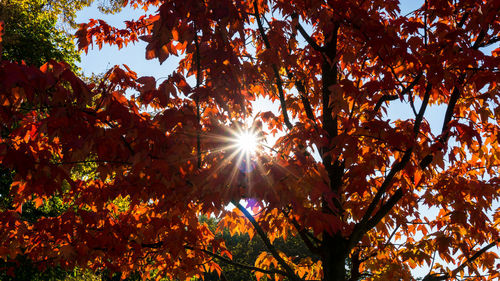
[(387, 243), (303, 96), (455, 95), (305, 235), (197, 100), (450, 108), (475, 256), (425, 22), (432, 263), (362, 227), (289, 271), (111, 125), (492, 40), (479, 39), (412, 84), (406, 89), (308, 38), (463, 19), (368, 222), (237, 264), (382, 212), (279, 83), (158, 245), (420, 115), (383, 99), (379, 139), (358, 83), (433, 277)]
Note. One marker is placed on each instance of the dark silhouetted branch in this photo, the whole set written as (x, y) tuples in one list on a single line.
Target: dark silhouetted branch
[(434, 277), (237, 264), (309, 40), (383, 99), (279, 83), (289, 271)]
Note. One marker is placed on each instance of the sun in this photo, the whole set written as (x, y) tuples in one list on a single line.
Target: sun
[(247, 142)]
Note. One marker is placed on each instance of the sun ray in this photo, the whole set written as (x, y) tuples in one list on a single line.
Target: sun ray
[(247, 142)]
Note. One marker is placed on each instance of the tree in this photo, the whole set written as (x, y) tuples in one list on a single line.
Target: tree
[(31, 34), (383, 198), (29, 23), (66, 9)]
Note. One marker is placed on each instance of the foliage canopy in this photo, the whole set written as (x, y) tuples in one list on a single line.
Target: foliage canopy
[(385, 197), (31, 34)]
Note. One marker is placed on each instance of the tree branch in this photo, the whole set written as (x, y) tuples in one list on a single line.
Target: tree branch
[(329, 75), (450, 108), (382, 212), (492, 40), (197, 100), (279, 83), (433, 277), (420, 115), (387, 243), (289, 271), (308, 38), (355, 263), (455, 95), (383, 99), (368, 222), (111, 125), (364, 225), (303, 96), (475, 256), (409, 88), (305, 235), (158, 245), (237, 264)]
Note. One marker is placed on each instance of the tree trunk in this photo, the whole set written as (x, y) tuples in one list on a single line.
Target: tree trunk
[(334, 247), (333, 257)]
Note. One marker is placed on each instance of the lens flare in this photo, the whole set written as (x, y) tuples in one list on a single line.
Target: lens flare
[(247, 142)]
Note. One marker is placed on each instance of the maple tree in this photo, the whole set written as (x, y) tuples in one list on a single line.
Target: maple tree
[(27, 24), (383, 197)]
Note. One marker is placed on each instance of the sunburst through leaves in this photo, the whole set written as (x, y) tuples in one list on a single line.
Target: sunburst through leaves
[(247, 142)]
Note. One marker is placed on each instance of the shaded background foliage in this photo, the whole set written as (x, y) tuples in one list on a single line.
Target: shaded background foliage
[(31, 34)]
